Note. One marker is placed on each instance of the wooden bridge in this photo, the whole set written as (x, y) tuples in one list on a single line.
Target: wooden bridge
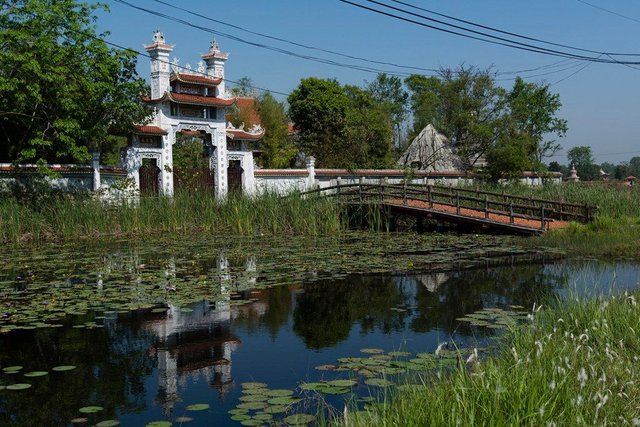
[(473, 207)]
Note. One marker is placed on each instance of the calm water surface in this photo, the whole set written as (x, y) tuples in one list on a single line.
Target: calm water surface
[(272, 324)]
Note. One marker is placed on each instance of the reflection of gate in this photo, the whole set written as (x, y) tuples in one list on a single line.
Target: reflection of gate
[(149, 179), (189, 179), (234, 176)]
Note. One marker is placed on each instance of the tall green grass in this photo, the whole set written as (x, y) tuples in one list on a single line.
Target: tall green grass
[(577, 364), (72, 219)]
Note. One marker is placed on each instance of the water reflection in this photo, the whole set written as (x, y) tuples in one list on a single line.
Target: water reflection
[(150, 363)]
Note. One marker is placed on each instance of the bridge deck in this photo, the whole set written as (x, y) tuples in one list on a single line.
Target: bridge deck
[(497, 221)]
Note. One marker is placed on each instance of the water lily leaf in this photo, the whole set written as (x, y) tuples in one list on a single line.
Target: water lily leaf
[(326, 367), (284, 400), (372, 350), (313, 386), (275, 409), (378, 382), (12, 369), (252, 422), (184, 419), (299, 419), (36, 374), (252, 405), (237, 411), (159, 424), (263, 417), (279, 393), (90, 409), (254, 398), (399, 353), (342, 383), (63, 368), (198, 407), (108, 423), (253, 385), (334, 390), (19, 386), (240, 417), (255, 391)]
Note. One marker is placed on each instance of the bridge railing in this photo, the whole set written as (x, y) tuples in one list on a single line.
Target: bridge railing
[(461, 198)]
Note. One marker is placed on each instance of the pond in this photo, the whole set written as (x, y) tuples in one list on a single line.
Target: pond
[(184, 330)]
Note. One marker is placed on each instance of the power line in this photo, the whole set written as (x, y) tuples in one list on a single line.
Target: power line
[(511, 33), (261, 45), (507, 43), (609, 11)]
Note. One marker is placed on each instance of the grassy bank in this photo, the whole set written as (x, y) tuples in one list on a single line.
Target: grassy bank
[(576, 364), (72, 219), (615, 231)]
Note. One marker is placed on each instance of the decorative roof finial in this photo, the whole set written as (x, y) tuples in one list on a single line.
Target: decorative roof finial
[(214, 47), (201, 67), (158, 37)]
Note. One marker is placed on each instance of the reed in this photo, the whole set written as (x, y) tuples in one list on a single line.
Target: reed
[(574, 365), (61, 219)]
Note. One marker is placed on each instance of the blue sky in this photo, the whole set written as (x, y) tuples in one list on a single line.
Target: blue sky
[(601, 102)]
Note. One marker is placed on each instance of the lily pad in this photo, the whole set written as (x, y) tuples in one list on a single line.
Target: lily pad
[(279, 393), (252, 405), (12, 369), (108, 423), (19, 386), (275, 409), (334, 390), (399, 353), (159, 424), (252, 422), (198, 407), (253, 385), (342, 383), (372, 350), (240, 417), (299, 419), (326, 367), (284, 400), (378, 382), (237, 411), (254, 398), (63, 368), (90, 409), (36, 374), (184, 420)]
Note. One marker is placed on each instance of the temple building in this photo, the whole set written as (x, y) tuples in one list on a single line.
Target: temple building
[(193, 104)]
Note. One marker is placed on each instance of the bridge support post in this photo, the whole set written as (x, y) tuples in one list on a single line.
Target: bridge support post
[(542, 217), (430, 197), (511, 212), (486, 207)]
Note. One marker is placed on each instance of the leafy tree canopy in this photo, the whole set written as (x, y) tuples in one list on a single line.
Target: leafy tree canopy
[(63, 89), (582, 159), (278, 148), (341, 126)]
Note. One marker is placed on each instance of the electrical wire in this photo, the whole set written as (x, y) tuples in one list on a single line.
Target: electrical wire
[(609, 11)]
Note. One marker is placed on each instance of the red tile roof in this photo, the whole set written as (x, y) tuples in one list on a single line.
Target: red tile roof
[(150, 130), (241, 134), (248, 107), (158, 46), (197, 79), (184, 98), (280, 172)]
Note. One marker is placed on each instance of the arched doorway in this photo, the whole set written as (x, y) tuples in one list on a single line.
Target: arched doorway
[(191, 171), (149, 178), (234, 176)]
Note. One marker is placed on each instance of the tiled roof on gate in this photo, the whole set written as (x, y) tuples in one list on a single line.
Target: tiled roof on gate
[(184, 98), (244, 135), (150, 130), (197, 79)]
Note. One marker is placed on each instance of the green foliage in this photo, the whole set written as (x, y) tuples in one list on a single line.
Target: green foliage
[(509, 157), (574, 365), (532, 109), (582, 159), (244, 87), (278, 149), (63, 89), (188, 153), (388, 91), (340, 126), (66, 218)]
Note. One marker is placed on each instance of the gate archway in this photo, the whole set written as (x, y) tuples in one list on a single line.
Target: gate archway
[(149, 178), (234, 176)]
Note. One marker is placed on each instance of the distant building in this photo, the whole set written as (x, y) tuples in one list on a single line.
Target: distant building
[(432, 151)]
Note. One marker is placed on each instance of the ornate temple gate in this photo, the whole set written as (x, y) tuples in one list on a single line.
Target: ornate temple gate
[(149, 179)]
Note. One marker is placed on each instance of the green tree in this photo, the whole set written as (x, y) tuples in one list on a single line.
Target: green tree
[(532, 108), (582, 159), (509, 157), (279, 150), (634, 166), (388, 91), (64, 91), (340, 126), (244, 87), (425, 102)]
